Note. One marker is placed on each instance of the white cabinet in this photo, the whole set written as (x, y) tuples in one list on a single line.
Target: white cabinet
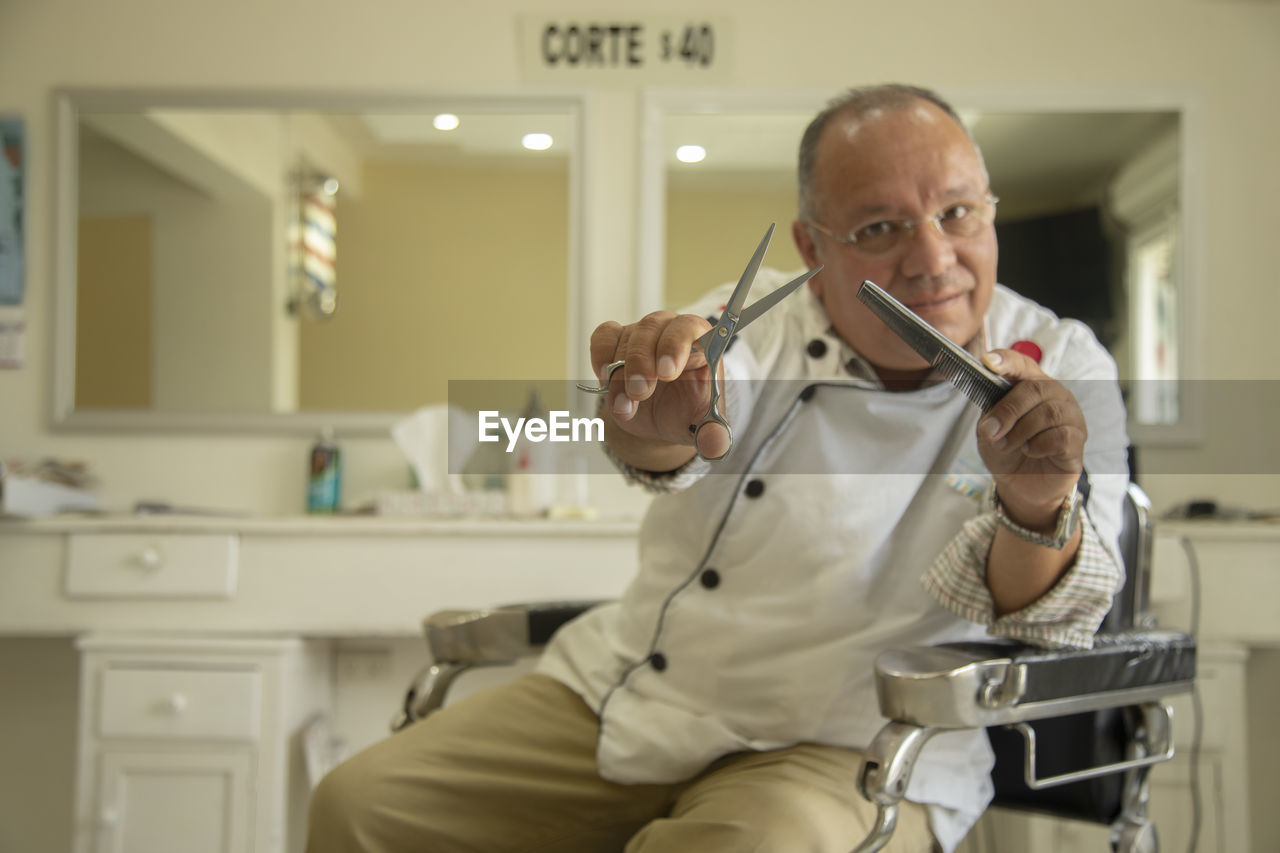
[(151, 565), (158, 802), (190, 743), (188, 736), (221, 703)]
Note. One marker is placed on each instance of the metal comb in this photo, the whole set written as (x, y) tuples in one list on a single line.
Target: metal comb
[(961, 369)]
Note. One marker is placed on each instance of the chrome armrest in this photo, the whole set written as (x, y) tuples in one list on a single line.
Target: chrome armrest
[(462, 639), (975, 685), (925, 690), (499, 634)]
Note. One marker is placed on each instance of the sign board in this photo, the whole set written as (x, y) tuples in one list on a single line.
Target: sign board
[(627, 50)]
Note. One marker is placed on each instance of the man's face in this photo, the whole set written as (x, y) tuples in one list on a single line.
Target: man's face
[(907, 163)]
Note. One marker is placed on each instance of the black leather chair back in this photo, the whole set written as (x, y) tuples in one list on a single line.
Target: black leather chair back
[(1094, 738), (1129, 608)]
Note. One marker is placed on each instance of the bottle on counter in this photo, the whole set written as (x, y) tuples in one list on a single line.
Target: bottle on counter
[(324, 483)]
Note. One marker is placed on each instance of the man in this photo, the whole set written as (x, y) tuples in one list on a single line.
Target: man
[(721, 703)]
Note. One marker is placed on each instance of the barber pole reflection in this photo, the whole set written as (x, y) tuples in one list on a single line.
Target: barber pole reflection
[(313, 245)]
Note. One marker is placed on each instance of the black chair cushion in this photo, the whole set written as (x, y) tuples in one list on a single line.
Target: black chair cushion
[(546, 619), (1116, 662)]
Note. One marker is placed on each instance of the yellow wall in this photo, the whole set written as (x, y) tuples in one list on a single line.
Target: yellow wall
[(712, 231), (208, 259), (113, 324), (474, 260)]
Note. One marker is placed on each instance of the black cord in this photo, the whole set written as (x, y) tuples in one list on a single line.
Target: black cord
[(1193, 564)]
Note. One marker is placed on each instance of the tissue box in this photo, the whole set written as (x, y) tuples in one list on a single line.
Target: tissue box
[(487, 504), (29, 497)]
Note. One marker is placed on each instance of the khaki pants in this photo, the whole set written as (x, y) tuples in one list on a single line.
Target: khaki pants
[(513, 769)]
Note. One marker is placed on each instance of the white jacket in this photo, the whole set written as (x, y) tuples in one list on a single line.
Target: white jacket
[(769, 581)]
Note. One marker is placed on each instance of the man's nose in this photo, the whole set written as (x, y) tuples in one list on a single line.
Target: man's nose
[(929, 252)]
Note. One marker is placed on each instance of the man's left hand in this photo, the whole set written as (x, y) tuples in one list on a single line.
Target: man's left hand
[(1032, 441)]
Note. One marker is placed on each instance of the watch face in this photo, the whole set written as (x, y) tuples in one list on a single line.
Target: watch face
[(1068, 519), (1073, 517)]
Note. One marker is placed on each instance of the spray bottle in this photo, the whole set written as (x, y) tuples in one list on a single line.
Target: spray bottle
[(324, 483)]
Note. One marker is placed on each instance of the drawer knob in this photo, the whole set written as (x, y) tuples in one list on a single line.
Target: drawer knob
[(151, 558), (108, 818), (178, 703)]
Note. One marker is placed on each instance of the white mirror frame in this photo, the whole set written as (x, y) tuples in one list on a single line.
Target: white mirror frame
[(1190, 259), (69, 102)]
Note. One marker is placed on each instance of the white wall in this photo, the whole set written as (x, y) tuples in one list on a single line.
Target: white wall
[(1227, 54)]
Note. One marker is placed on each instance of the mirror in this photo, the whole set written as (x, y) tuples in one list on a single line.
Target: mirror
[(227, 258), (1091, 220)]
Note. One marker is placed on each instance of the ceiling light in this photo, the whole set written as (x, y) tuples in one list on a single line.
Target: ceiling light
[(691, 153), (536, 141), (445, 121)]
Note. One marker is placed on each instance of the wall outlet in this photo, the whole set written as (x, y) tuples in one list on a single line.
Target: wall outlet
[(362, 664)]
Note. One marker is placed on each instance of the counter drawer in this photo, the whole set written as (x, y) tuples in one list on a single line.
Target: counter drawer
[(120, 565), (155, 702)]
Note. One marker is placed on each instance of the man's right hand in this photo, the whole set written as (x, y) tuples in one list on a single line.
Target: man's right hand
[(661, 390)]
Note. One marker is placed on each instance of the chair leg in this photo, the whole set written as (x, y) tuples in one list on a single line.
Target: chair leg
[(1134, 837), (1133, 831), (890, 759)]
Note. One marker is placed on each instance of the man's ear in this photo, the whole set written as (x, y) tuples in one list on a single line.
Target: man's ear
[(808, 252)]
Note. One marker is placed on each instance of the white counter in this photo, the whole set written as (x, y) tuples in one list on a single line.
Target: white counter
[(332, 577), (219, 582)]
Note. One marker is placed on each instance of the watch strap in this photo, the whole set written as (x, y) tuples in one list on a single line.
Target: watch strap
[(1067, 522)]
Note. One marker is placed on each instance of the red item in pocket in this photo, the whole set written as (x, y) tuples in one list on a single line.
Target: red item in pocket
[(1029, 349)]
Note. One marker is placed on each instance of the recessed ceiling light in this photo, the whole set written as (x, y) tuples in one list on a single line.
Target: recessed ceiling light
[(691, 153), (445, 121), (536, 141)]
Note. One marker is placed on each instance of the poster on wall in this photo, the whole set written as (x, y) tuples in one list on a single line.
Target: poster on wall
[(11, 195), (12, 274)]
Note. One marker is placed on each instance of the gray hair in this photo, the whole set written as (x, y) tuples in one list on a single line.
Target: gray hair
[(856, 103)]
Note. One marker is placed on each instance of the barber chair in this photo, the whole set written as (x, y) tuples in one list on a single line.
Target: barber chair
[(1074, 732)]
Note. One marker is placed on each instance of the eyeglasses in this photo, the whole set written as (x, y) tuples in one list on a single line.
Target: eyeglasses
[(961, 219)]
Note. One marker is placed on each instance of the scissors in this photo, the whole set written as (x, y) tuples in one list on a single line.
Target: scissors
[(714, 343)]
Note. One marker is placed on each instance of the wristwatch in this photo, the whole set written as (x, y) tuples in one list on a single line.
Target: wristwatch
[(1068, 520)]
